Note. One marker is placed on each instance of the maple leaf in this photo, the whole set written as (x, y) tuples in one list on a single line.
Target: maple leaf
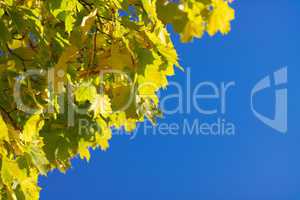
[(101, 105)]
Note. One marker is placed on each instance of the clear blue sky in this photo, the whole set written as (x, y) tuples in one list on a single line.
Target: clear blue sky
[(257, 163)]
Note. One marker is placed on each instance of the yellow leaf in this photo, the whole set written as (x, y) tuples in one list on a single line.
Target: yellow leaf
[(30, 188), (220, 18), (101, 105), (83, 150), (32, 128), (3, 130), (10, 171), (194, 28), (88, 21), (85, 92), (104, 136)]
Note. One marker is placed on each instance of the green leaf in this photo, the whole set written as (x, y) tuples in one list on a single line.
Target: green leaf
[(4, 36)]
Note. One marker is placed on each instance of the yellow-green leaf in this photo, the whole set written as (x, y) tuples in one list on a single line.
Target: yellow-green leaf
[(3, 130), (32, 128)]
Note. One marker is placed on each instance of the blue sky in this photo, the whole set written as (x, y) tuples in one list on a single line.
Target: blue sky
[(256, 163)]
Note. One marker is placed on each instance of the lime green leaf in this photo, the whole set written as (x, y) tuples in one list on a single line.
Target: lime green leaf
[(85, 92), (69, 23)]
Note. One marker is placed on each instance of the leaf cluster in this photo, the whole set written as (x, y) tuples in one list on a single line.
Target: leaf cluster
[(106, 58)]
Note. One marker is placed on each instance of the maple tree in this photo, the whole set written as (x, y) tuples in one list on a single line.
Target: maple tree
[(62, 61)]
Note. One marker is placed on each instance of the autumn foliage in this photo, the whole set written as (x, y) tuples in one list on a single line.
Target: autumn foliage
[(102, 61)]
